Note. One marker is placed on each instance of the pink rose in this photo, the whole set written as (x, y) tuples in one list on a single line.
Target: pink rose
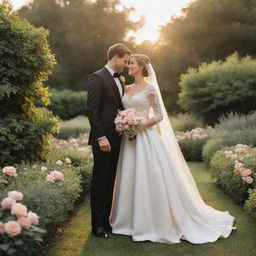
[(50, 178), (248, 179), (15, 195), (7, 203), (57, 175), (25, 222), (247, 172), (10, 170), (12, 228), (19, 210), (1, 228), (33, 217), (238, 165)]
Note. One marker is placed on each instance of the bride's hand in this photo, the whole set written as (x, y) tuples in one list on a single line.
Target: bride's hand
[(141, 128)]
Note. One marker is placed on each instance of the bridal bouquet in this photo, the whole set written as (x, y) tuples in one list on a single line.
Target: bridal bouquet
[(127, 121)]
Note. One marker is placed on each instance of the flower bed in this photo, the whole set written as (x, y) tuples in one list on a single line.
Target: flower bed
[(191, 142), (234, 169), (50, 188)]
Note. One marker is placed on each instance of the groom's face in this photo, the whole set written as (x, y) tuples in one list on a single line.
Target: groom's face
[(121, 63)]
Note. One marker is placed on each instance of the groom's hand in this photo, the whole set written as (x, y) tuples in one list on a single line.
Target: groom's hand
[(104, 144)]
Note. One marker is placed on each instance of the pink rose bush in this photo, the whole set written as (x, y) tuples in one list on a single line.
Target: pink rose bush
[(191, 142), (127, 121), (79, 144), (10, 171), (195, 134), (237, 155), (55, 176), (7, 176), (17, 224), (234, 169)]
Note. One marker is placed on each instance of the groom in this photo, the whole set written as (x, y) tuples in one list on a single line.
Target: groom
[(105, 90)]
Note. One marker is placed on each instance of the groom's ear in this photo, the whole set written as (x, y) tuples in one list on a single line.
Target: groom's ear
[(115, 57)]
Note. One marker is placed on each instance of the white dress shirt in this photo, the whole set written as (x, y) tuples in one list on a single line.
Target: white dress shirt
[(118, 83)]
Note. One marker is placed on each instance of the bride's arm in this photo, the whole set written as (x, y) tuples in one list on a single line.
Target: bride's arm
[(155, 104)]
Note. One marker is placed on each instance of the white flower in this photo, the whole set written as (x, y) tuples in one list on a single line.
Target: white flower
[(44, 169), (68, 161), (59, 162)]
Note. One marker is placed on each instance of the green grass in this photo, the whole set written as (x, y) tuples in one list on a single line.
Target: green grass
[(76, 240), (70, 242)]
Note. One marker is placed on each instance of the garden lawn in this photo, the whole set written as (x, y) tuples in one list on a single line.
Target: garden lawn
[(76, 239)]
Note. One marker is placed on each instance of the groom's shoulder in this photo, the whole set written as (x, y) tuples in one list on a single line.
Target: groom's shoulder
[(96, 77), (99, 72)]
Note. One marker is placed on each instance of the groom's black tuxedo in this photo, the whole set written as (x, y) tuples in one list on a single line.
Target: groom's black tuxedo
[(103, 102)]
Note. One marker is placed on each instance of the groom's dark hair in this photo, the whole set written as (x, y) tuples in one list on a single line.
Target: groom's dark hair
[(117, 49)]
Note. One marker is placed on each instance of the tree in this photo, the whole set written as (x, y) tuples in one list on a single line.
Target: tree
[(80, 33), (207, 30)]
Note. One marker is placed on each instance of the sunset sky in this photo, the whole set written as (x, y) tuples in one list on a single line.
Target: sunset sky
[(155, 12)]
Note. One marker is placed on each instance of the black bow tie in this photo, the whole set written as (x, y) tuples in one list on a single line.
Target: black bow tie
[(116, 75)]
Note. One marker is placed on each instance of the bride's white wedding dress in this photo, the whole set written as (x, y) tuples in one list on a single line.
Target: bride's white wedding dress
[(151, 202)]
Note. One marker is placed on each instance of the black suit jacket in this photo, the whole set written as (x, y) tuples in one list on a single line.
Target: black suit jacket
[(103, 102)]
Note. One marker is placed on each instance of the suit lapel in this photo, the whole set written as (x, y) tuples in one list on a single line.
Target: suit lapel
[(112, 84)]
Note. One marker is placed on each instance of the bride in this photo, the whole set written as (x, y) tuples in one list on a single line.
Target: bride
[(155, 195)]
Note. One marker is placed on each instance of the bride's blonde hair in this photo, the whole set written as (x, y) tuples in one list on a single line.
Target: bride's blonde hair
[(143, 60)]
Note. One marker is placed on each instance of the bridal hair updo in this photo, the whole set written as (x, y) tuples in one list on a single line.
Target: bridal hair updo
[(143, 60)]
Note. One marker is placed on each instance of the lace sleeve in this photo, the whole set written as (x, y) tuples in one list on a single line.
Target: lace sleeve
[(155, 104)]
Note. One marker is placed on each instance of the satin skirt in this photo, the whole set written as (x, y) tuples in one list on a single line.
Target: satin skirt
[(148, 203)]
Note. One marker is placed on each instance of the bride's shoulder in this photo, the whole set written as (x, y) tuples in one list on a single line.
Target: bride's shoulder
[(151, 89), (127, 87)]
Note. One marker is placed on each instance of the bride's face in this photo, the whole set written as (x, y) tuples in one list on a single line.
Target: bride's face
[(134, 67)]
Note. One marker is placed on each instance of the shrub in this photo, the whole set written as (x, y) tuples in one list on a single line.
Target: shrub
[(74, 128), (192, 149), (191, 142), (23, 139), (51, 201), (219, 88), (231, 130), (82, 163), (184, 122), (27, 235), (67, 104), (25, 62), (227, 167), (250, 204), (235, 121), (210, 148)]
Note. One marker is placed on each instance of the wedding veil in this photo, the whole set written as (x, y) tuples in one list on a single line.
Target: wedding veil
[(183, 176)]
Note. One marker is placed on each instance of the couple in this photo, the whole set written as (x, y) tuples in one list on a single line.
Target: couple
[(142, 188)]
